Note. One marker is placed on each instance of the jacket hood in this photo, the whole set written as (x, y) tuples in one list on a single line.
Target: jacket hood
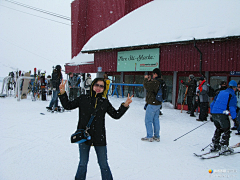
[(93, 93)]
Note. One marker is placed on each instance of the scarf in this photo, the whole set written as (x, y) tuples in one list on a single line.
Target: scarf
[(200, 85)]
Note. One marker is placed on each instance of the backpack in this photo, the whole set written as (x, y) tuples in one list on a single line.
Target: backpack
[(211, 91), (85, 84), (162, 92)]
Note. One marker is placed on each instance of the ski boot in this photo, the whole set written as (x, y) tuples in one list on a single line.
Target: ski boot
[(215, 148), (225, 150)]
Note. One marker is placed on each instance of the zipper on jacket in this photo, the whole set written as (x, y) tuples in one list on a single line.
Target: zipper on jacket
[(96, 102)]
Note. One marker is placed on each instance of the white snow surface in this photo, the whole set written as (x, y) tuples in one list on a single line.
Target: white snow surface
[(35, 146), (163, 21)]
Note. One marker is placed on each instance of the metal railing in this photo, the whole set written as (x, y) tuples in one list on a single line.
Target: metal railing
[(121, 86)]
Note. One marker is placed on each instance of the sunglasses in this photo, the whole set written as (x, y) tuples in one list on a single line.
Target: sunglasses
[(98, 85)]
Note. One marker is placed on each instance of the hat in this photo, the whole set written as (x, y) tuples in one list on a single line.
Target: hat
[(88, 75), (223, 83), (58, 67), (191, 76), (201, 78), (232, 83)]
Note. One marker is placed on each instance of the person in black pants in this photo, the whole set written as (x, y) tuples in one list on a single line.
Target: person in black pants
[(192, 84), (196, 105), (204, 99)]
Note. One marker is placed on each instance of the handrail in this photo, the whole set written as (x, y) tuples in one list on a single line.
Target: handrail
[(121, 85)]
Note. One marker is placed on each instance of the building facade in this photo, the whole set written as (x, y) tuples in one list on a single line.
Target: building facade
[(216, 58)]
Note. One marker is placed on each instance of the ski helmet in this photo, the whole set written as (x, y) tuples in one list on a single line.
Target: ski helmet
[(232, 83)]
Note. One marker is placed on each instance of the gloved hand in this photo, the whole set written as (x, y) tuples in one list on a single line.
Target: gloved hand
[(226, 112), (181, 81)]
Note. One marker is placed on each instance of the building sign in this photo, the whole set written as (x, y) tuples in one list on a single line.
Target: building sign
[(138, 60), (235, 73)]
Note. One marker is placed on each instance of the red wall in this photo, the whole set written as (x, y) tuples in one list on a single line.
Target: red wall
[(218, 56), (91, 16)]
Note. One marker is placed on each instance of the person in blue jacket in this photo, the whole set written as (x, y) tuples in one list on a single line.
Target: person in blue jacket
[(223, 106)]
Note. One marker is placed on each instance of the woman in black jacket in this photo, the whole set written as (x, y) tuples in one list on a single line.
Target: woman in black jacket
[(89, 104)]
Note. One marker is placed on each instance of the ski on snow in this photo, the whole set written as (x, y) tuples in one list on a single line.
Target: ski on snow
[(203, 156), (217, 155)]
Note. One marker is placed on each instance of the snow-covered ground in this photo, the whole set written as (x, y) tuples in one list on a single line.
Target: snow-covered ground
[(36, 146)]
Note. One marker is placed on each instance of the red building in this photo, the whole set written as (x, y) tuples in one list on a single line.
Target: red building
[(220, 55)]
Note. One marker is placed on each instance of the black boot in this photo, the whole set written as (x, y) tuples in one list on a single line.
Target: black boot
[(215, 148)]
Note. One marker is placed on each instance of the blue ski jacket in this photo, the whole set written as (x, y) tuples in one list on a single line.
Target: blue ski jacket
[(220, 102)]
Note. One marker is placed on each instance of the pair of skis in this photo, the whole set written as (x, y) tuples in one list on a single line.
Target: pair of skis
[(211, 155)]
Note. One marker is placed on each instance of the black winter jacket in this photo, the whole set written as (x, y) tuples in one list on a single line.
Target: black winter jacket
[(56, 80), (192, 84), (86, 105)]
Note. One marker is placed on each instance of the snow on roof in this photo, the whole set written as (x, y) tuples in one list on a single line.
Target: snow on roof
[(81, 59), (164, 21)]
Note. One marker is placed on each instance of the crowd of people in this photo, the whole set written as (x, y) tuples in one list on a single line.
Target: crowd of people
[(224, 107), (75, 88)]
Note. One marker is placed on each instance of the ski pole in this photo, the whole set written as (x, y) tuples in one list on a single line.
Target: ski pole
[(206, 147), (190, 131)]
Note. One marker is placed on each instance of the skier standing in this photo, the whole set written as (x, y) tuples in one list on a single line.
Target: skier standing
[(56, 81), (87, 105), (88, 83), (192, 84), (73, 83), (237, 127), (223, 86), (203, 98), (223, 106), (196, 104)]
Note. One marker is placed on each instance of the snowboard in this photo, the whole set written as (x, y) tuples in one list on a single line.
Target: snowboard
[(25, 86)]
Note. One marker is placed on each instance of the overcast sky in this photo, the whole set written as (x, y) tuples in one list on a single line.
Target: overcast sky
[(30, 38)]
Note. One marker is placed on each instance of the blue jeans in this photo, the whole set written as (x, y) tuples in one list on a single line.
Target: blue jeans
[(152, 120), (54, 101), (101, 152)]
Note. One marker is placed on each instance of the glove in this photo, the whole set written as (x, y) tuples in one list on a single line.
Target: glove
[(226, 112), (181, 81)]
